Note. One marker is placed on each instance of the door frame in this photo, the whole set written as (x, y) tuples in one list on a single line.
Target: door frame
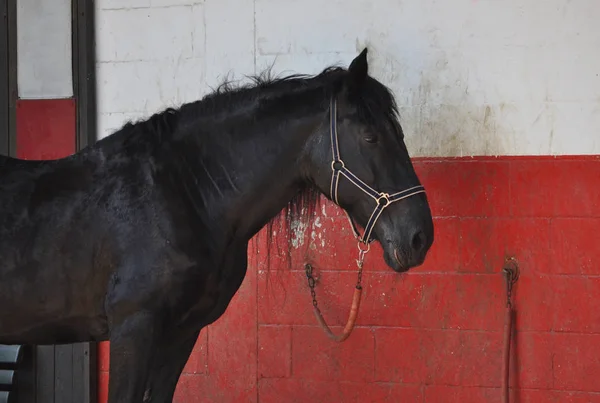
[(8, 76)]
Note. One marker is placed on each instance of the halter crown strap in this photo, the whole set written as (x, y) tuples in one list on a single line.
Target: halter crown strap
[(338, 167)]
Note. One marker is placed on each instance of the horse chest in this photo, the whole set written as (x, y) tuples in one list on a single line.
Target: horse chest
[(214, 294)]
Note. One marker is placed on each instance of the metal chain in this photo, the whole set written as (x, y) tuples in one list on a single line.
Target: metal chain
[(312, 281), (311, 284)]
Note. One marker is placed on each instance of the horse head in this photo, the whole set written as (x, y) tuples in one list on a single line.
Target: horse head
[(360, 162)]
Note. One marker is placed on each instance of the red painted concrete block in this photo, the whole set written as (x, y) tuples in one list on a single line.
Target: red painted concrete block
[(444, 255), (46, 128), (284, 297), (577, 362), (274, 351), (303, 391), (533, 299), (232, 341), (389, 299), (554, 396), (445, 357), (413, 300), (531, 360), (487, 242), (461, 394), (577, 304), (438, 301), (575, 245), (466, 188), (555, 187), (198, 361), (204, 389), (199, 389), (315, 357)]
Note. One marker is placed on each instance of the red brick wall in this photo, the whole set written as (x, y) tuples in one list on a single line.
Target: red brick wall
[(435, 334)]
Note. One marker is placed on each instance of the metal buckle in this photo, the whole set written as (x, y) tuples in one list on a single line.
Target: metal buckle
[(383, 200), (337, 162), (365, 243)]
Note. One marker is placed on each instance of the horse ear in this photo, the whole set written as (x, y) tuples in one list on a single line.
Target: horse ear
[(359, 68)]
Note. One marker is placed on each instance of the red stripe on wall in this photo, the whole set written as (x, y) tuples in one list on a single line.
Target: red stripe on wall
[(46, 128), (434, 334)]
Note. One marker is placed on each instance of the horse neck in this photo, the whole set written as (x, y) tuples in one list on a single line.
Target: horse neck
[(247, 171)]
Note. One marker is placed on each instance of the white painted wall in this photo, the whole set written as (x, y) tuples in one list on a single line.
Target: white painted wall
[(473, 77), (44, 62)]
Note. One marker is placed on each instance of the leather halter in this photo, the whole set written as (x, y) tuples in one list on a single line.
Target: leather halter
[(382, 199)]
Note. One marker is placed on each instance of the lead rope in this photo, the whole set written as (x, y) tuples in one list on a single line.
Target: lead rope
[(355, 300)]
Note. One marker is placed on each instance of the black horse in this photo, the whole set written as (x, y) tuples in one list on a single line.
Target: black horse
[(141, 239)]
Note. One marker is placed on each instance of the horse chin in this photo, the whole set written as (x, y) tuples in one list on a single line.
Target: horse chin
[(395, 260), (398, 261)]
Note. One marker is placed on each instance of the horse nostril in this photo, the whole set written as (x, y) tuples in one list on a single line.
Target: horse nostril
[(418, 241)]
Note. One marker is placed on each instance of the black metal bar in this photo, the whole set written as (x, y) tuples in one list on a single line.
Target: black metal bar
[(11, 24), (84, 355), (4, 90), (84, 71)]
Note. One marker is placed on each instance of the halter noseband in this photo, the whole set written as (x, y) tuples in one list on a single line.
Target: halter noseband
[(382, 199)]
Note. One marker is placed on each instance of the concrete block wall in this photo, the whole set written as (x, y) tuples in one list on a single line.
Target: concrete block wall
[(473, 77)]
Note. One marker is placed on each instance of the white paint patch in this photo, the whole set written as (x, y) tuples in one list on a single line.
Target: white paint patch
[(44, 49), (323, 210), (298, 233)]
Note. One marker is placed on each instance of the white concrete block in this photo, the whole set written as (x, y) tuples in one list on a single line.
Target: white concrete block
[(229, 39), (472, 77), (504, 75), (314, 63), (150, 86), (474, 129), (145, 34), (493, 24), (108, 123), (44, 59), (169, 3), (198, 31), (121, 4), (416, 25), (575, 129), (572, 73), (310, 26)]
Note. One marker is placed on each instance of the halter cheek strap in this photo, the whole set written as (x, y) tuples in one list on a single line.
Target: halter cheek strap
[(381, 199)]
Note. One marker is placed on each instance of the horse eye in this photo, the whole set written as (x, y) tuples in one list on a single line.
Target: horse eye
[(371, 139)]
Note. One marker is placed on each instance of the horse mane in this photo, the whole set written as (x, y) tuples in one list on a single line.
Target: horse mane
[(374, 102)]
